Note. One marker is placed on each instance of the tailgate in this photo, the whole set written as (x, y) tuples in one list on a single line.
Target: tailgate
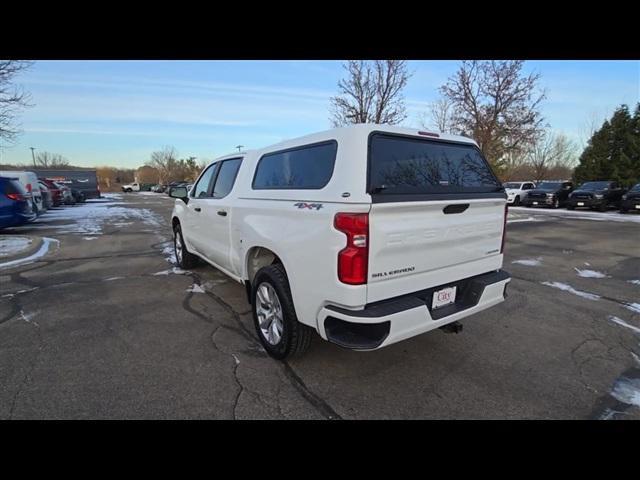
[(437, 214), (417, 245)]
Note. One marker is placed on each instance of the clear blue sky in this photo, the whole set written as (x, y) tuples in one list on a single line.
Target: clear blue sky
[(118, 112)]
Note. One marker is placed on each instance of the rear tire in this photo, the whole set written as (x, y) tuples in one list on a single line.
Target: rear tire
[(184, 258), (285, 336)]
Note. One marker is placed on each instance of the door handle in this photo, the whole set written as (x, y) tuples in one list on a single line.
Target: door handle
[(222, 213), (197, 209)]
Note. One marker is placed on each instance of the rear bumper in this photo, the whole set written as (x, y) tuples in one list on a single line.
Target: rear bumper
[(390, 321)]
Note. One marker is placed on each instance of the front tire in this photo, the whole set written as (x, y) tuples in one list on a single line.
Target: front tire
[(184, 258), (274, 316), (516, 202)]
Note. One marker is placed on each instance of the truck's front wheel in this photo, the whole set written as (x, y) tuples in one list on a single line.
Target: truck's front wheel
[(184, 258), (274, 315)]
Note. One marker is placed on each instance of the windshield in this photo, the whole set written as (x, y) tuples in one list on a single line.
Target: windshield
[(512, 185), (549, 186), (594, 186), (635, 188), (406, 165)]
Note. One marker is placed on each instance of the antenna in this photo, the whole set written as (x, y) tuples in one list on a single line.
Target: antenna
[(239, 147)]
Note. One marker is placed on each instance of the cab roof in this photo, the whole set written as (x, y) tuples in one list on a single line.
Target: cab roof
[(362, 129)]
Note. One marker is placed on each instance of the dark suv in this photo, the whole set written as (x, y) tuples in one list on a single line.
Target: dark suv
[(550, 194), (631, 200), (596, 195)]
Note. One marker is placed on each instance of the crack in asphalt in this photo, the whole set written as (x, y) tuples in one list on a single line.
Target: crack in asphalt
[(32, 364)]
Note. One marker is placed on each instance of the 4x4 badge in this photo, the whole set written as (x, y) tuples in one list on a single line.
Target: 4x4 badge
[(310, 206)]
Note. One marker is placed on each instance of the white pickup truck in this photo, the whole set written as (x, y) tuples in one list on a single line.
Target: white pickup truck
[(131, 187), (517, 191), (367, 234)]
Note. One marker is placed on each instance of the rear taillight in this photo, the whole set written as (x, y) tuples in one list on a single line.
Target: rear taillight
[(16, 196), (504, 227), (354, 258)]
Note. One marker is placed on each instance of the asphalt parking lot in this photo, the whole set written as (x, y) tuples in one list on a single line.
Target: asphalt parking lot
[(104, 326)]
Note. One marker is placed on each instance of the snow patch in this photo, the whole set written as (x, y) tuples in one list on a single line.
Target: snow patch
[(621, 322), (635, 282), (590, 273), (634, 307), (174, 270), (570, 289), (627, 390), (111, 279), (195, 288), (89, 218), (529, 262), (528, 219), (46, 242), (578, 214), (236, 359), (28, 316), (13, 245), (89, 238)]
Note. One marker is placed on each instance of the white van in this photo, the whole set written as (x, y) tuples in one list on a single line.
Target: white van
[(367, 235), (29, 181)]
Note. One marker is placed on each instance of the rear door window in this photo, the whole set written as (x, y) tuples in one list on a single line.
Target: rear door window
[(305, 168), (407, 165)]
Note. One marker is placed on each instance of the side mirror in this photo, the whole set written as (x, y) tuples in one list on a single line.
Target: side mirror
[(179, 192)]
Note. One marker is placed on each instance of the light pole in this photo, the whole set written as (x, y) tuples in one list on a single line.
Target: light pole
[(33, 155)]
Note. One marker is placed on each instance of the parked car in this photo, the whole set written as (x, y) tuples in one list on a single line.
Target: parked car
[(550, 194), (85, 180), (367, 234), (78, 195), (29, 181), (47, 199), (631, 200), (67, 196), (596, 195), (517, 191), (16, 206), (54, 189)]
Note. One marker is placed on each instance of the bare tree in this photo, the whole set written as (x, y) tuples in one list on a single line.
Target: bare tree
[(12, 99), (371, 93), (440, 116), (497, 105), (551, 152), (51, 160), (164, 161)]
